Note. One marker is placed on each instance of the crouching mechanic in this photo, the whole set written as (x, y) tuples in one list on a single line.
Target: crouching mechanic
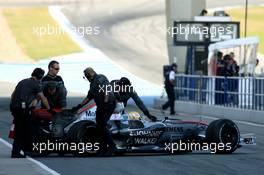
[(106, 103), (22, 99), (52, 93), (124, 91)]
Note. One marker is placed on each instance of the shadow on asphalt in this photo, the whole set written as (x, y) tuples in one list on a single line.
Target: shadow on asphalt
[(55, 156)]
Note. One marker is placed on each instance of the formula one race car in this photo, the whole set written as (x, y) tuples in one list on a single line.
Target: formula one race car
[(77, 133)]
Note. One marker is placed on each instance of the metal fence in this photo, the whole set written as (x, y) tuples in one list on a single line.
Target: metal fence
[(235, 92)]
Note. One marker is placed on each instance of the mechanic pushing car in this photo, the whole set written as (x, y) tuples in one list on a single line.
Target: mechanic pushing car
[(106, 103), (52, 75), (169, 87), (22, 100), (124, 91)]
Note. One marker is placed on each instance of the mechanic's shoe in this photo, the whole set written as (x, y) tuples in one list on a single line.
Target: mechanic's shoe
[(107, 153), (32, 154), (17, 155), (111, 152), (173, 113), (101, 152)]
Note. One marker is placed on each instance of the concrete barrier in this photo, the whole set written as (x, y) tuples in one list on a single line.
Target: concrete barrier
[(216, 111)]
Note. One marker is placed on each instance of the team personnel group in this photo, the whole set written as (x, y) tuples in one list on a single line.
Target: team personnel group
[(51, 91), (48, 89)]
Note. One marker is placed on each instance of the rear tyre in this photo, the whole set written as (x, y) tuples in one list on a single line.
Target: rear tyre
[(224, 133)]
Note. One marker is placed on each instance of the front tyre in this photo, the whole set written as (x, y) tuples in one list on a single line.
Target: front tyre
[(225, 134), (84, 134)]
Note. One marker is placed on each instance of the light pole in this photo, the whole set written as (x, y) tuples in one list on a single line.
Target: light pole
[(245, 35), (246, 16)]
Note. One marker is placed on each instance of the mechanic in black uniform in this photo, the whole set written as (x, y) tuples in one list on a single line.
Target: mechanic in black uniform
[(52, 75), (106, 103), (52, 94), (23, 98), (169, 87), (124, 91)]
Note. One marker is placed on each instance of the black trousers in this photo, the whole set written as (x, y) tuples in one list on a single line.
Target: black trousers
[(171, 99), (22, 139), (102, 117), (219, 86)]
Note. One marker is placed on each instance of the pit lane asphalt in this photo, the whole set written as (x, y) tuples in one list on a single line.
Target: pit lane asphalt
[(246, 160)]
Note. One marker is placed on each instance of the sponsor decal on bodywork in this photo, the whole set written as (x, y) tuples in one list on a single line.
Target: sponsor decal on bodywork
[(145, 141), (90, 113), (145, 137), (145, 133), (174, 129)]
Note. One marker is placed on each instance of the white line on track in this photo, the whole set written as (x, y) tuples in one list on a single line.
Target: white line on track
[(41, 165)]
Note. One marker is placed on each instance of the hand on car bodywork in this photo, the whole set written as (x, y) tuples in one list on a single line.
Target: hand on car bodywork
[(51, 111)]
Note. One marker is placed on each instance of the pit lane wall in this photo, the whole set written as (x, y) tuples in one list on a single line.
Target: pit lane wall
[(216, 111), (237, 98)]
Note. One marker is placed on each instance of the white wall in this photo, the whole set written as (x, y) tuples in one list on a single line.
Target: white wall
[(180, 10)]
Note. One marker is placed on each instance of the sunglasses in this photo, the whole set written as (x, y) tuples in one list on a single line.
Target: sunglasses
[(56, 68)]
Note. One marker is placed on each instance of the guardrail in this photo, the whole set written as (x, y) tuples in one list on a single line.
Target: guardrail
[(235, 92)]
